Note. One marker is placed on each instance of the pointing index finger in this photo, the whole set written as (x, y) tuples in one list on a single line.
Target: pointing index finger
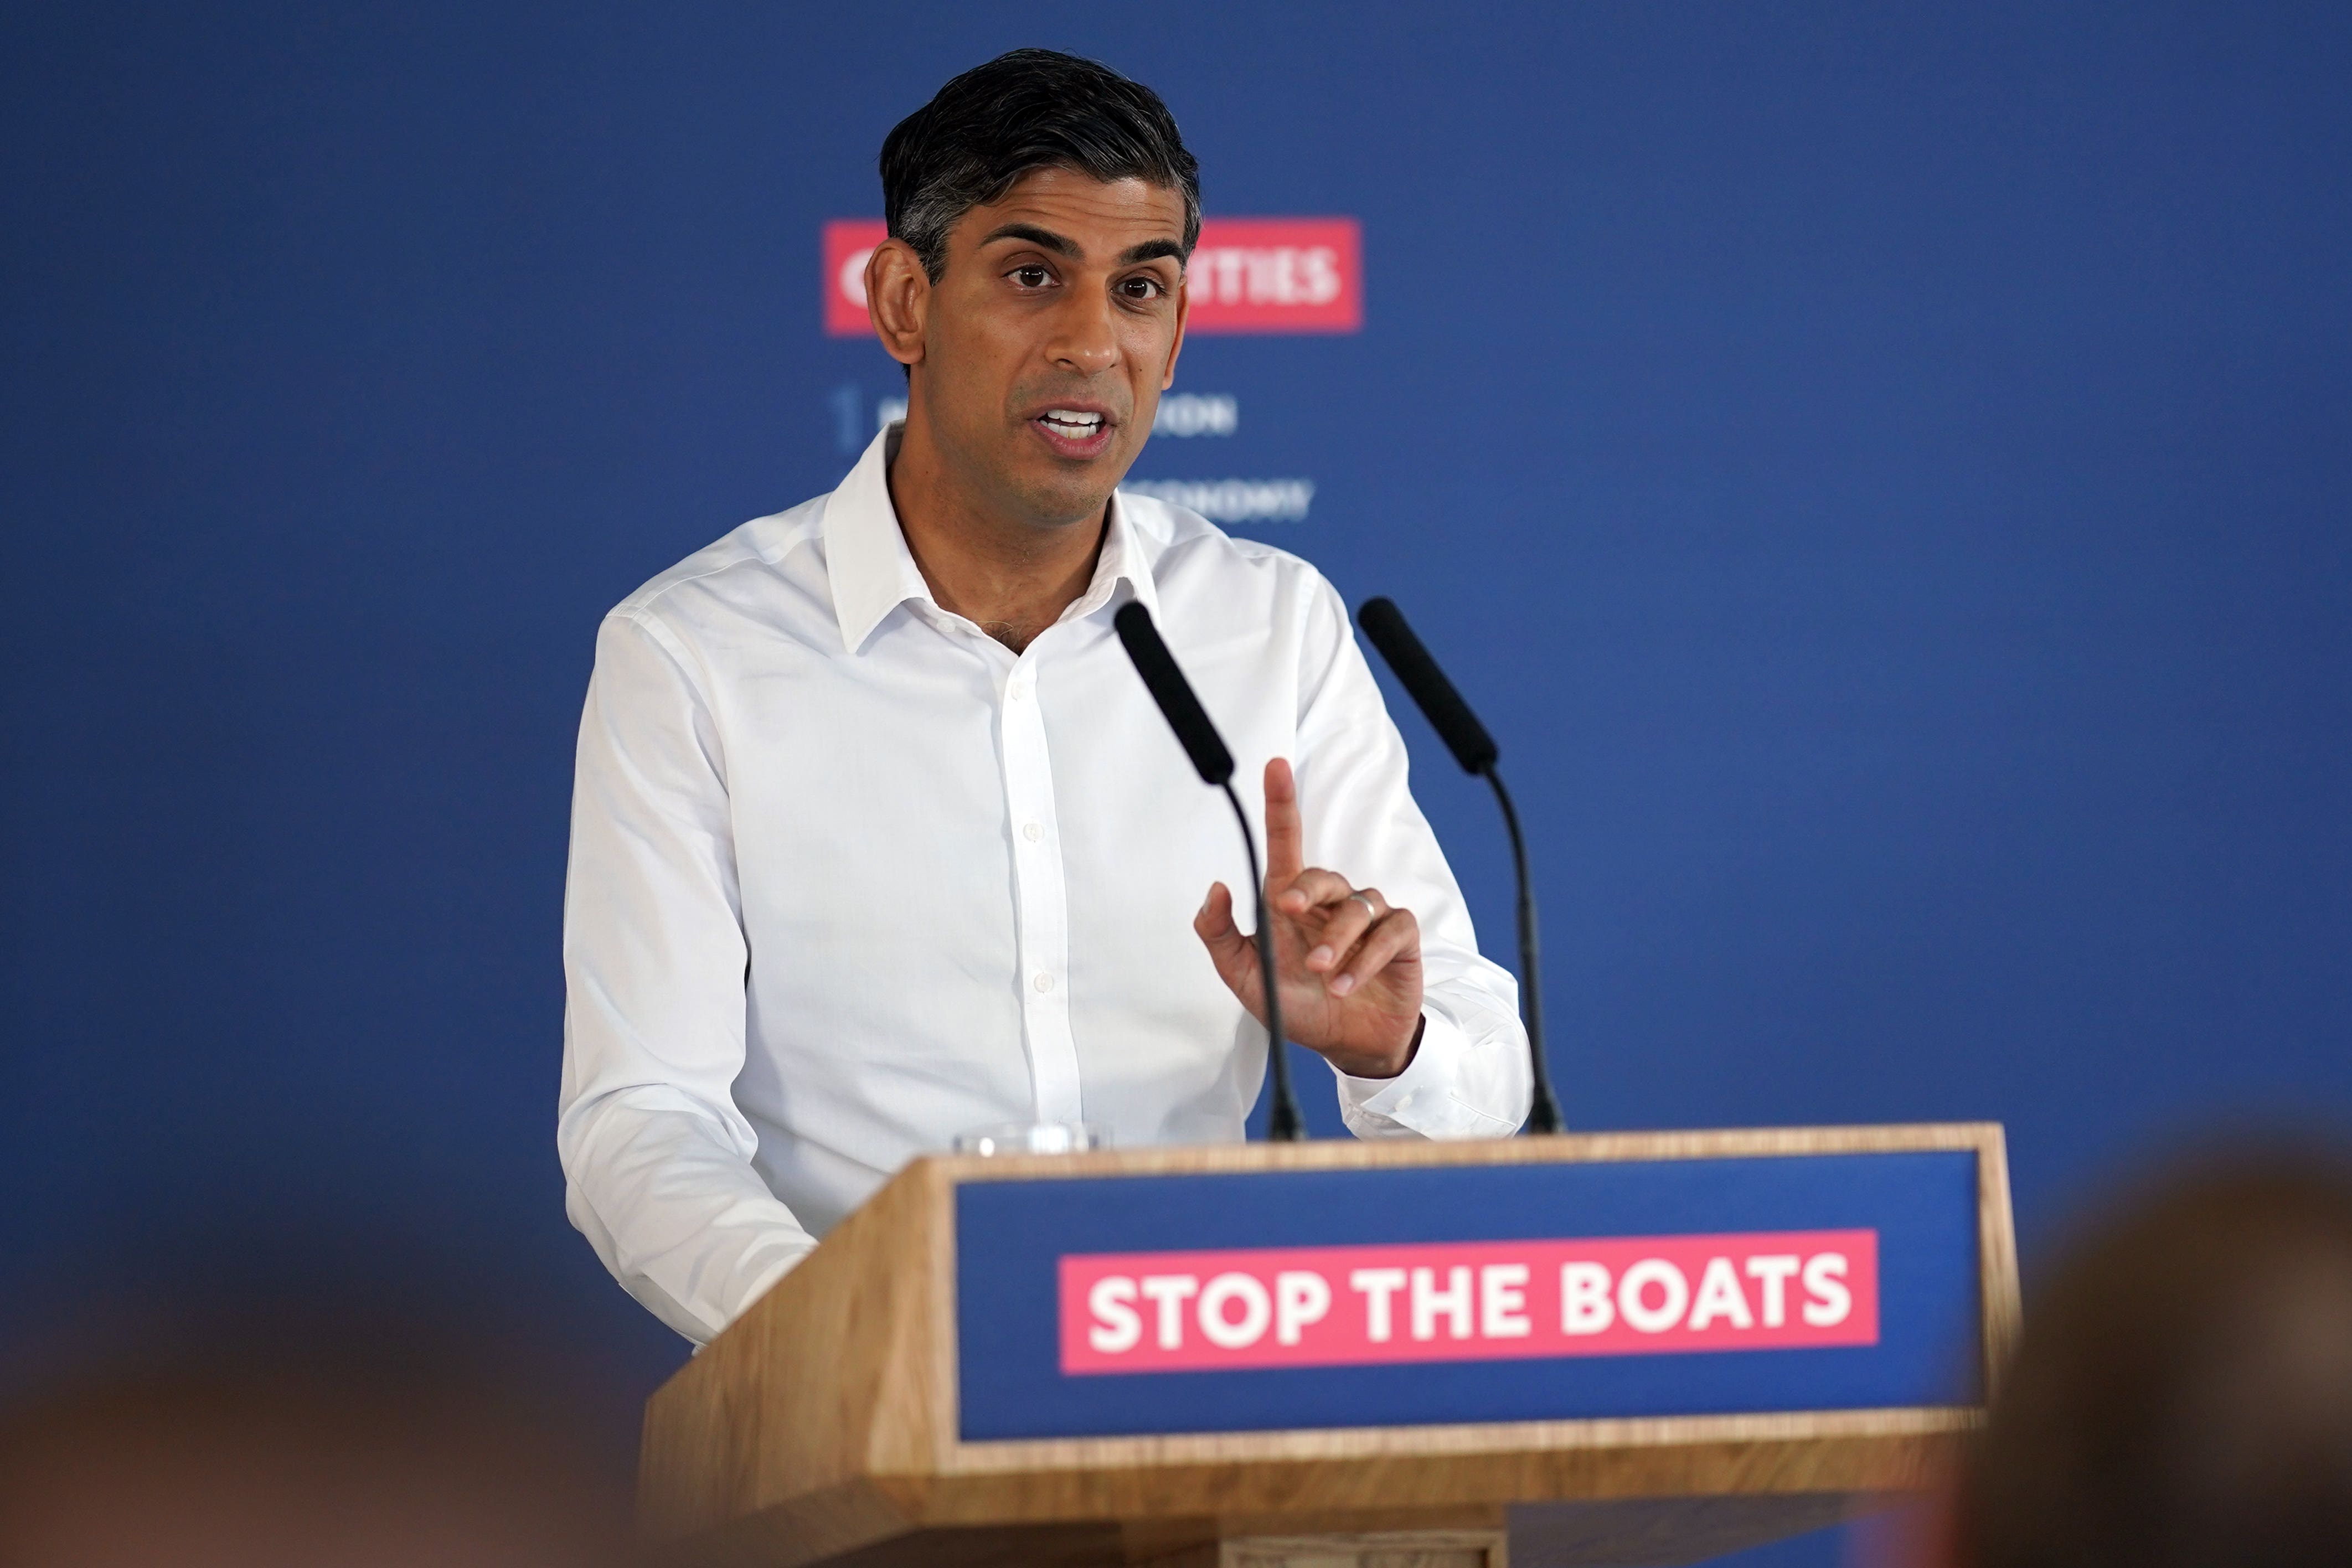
[(1285, 841)]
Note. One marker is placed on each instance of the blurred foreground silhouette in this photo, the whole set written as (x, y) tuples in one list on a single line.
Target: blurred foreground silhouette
[(359, 1445), (2183, 1394)]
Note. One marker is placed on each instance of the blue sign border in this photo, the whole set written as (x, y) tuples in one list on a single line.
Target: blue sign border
[(1009, 1238)]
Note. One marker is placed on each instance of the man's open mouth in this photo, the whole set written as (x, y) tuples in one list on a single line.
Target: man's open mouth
[(1075, 425)]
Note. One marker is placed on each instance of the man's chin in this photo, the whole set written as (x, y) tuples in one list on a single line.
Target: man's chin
[(1058, 500)]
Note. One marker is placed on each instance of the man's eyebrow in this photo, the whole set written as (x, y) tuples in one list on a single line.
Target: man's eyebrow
[(1152, 250), (1046, 237)]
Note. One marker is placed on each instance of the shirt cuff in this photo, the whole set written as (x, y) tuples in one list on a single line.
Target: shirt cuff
[(1420, 1099)]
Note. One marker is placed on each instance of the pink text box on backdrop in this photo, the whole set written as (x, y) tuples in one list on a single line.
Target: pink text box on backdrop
[(1261, 275)]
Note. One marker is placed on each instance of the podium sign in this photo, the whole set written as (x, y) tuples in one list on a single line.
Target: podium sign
[(1635, 1348), (1257, 1301)]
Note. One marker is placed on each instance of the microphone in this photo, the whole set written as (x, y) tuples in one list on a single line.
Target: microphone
[(1201, 742), (1475, 750)]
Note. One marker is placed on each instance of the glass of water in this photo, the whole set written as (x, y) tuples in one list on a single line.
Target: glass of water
[(1032, 1138)]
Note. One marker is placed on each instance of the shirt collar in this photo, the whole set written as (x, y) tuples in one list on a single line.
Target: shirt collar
[(866, 556), (1126, 557), (872, 572)]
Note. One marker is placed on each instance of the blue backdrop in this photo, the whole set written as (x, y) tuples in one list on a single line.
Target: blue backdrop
[(1884, 472)]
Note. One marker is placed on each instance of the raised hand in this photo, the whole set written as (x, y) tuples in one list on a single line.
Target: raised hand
[(1348, 964)]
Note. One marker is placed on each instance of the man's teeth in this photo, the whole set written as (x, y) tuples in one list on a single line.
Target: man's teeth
[(1072, 424)]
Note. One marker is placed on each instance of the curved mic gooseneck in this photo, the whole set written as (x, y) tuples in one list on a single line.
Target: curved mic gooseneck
[(1283, 1124), (1214, 764), (1475, 750)]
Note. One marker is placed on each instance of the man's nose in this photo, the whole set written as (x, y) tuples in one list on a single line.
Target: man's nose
[(1085, 338)]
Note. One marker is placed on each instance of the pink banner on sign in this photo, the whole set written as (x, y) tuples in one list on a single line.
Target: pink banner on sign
[(1246, 275), (1343, 1306), (848, 241), (1276, 275)]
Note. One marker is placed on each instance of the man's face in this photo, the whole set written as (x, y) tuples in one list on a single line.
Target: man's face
[(1049, 337)]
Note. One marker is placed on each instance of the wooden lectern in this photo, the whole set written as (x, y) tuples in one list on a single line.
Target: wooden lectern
[(1621, 1348)]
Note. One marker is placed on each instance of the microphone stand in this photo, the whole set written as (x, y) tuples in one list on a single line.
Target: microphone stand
[(1202, 743), (1282, 1123), (1475, 750), (1543, 1115)]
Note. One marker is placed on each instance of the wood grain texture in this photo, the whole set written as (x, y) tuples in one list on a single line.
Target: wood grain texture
[(1684, 1459), (2004, 1316), (829, 1383), (821, 1427), (1581, 1148), (1362, 1549)]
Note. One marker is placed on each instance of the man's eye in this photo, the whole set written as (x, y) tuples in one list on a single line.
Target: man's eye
[(1032, 277), (1141, 288)]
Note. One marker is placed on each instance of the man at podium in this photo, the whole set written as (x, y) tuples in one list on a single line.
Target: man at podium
[(876, 838)]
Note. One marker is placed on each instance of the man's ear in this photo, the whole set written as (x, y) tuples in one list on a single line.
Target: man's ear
[(1183, 309), (897, 297)]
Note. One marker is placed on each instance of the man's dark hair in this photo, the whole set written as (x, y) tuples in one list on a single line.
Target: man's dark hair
[(1022, 111), (2183, 1396)]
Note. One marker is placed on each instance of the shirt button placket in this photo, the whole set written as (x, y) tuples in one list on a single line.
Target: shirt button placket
[(1042, 896)]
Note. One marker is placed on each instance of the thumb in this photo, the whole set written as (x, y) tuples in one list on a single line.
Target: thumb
[(1229, 950)]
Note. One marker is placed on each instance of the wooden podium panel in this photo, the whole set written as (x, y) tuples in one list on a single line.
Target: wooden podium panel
[(1119, 1357)]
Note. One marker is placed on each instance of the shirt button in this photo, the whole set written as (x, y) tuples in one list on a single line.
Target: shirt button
[(1031, 832), (1018, 690), (1043, 982)]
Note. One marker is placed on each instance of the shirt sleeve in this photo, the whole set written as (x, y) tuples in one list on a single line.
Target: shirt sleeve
[(656, 1158), (1469, 1078)]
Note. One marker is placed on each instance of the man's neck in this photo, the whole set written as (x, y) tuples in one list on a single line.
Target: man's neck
[(1011, 576)]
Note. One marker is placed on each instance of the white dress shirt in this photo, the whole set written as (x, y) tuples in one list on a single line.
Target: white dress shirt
[(849, 878)]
